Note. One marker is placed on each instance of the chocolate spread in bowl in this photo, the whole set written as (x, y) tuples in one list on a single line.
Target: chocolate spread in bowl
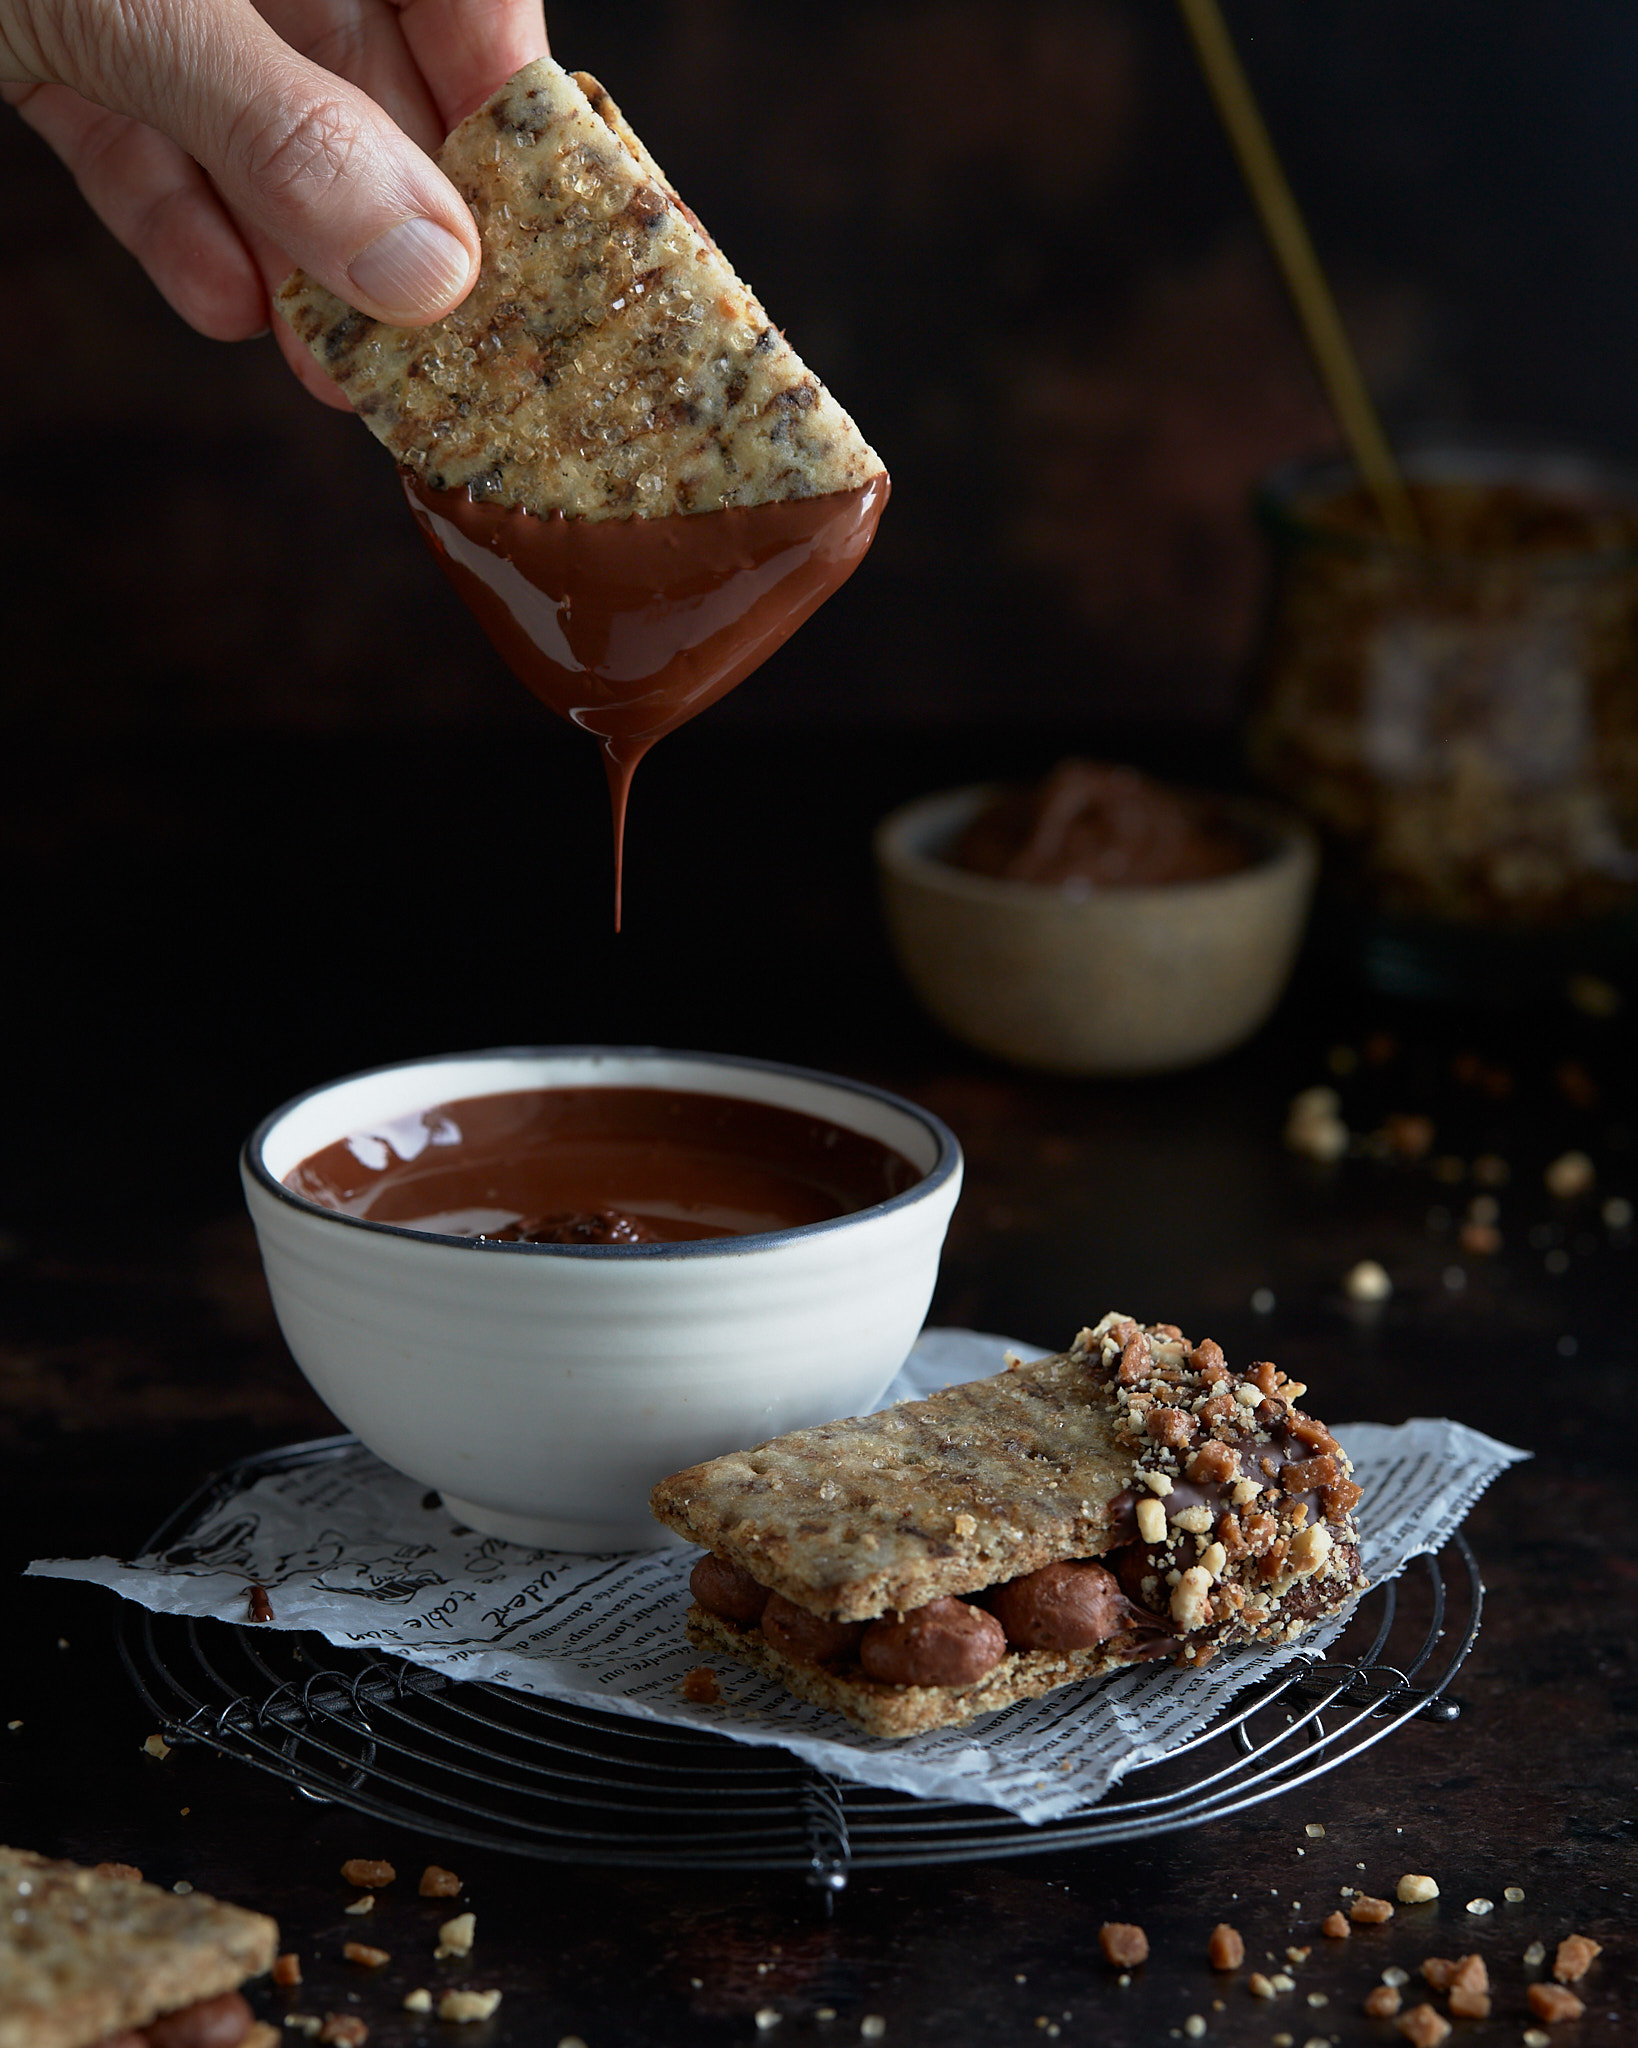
[(1090, 825), (629, 627), (604, 1166)]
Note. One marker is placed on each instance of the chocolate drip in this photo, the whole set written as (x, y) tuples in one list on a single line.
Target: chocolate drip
[(630, 627)]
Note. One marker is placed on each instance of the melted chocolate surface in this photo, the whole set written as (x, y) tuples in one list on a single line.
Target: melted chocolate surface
[(603, 1166)]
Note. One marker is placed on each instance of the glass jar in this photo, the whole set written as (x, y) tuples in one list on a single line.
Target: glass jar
[(1460, 716)]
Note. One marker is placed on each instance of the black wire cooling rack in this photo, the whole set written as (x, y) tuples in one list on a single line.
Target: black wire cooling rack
[(474, 1763)]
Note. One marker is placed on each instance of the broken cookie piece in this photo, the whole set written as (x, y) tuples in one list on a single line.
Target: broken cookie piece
[(1127, 1499), (88, 1955)]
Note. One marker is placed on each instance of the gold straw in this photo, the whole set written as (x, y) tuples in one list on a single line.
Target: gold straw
[(1283, 224)]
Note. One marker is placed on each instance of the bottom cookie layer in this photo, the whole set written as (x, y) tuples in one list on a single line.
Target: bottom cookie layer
[(894, 1711)]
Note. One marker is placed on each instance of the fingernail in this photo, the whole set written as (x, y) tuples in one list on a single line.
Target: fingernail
[(415, 269)]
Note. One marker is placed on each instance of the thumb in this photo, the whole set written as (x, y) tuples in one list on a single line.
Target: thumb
[(302, 157)]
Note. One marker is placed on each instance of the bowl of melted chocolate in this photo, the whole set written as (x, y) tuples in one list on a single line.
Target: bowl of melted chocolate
[(1099, 921), (540, 1279)]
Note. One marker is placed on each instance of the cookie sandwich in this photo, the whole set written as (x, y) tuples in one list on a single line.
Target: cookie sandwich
[(1127, 1499)]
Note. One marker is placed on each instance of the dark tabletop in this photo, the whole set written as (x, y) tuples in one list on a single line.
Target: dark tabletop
[(205, 928)]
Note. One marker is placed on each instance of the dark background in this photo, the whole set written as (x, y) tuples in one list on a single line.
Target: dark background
[(267, 793), (270, 810)]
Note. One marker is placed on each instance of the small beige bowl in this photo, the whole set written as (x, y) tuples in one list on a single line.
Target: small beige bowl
[(1100, 981)]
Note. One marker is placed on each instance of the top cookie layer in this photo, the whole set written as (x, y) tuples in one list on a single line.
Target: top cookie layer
[(608, 362), (87, 1953), (977, 1483)]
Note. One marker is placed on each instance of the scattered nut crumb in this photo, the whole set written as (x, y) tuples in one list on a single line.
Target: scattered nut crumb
[(1298, 1955), (1537, 2037), (1409, 1136), (1416, 1891), (872, 2027), (1514, 1894), (1480, 1907), (1335, 1927), (1576, 1953), (343, 2030), (308, 2023), (700, 1688), (1534, 1956), (156, 1745), (367, 1870), (418, 2000), (1225, 1950), (366, 1904), (1259, 1986), (1438, 1971), (1195, 2026), (1592, 995), (1570, 1174), (1551, 2002), (1469, 2005), (1368, 1912), (1382, 2003), (368, 1958), (1423, 2027), (438, 1883), (1314, 1126), (767, 2016), (287, 1968), (1123, 1944), (468, 2005), (1283, 1982), (455, 1936), (1479, 1240), (1395, 1976), (182, 1888), (1367, 1282), (1314, 1829)]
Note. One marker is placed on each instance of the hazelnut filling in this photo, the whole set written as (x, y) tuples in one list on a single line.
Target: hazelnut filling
[(220, 2022)]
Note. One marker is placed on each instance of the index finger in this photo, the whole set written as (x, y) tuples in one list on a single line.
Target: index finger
[(466, 49)]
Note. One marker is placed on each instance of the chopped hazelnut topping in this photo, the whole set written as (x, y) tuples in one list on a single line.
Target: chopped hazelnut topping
[(1438, 1971), (1469, 2005), (1225, 1950), (342, 2030), (366, 1957), (419, 2000), (1123, 1944), (1335, 1927), (1576, 1953), (1173, 1427), (1259, 1986), (438, 1883), (1382, 2003), (367, 1871), (1151, 1521), (359, 1906), (699, 1686), (287, 1968), (1416, 1891), (1552, 2003), (1369, 1912)]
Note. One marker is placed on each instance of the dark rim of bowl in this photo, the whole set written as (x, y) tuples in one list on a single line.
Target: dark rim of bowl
[(946, 1164), (1282, 500)]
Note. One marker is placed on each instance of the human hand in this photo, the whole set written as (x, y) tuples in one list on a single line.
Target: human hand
[(209, 137)]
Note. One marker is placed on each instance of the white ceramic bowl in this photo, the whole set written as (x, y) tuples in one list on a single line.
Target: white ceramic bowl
[(1101, 981), (544, 1389)]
